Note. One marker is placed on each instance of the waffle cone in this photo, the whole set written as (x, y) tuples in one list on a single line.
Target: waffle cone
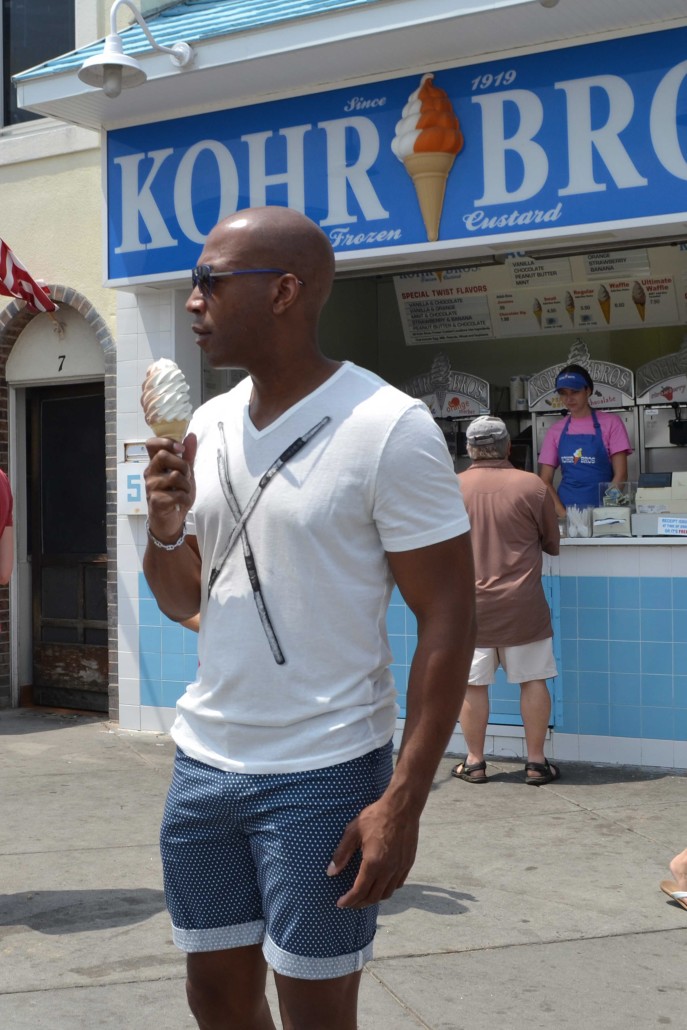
[(605, 306), (175, 430), (429, 173), (641, 310)]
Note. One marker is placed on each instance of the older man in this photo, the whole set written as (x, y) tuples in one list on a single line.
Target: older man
[(513, 520), (295, 502)]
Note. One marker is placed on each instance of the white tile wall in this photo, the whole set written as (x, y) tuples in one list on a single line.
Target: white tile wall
[(624, 750), (658, 752), (129, 690), (158, 720), (680, 754), (566, 747), (130, 717), (655, 561)]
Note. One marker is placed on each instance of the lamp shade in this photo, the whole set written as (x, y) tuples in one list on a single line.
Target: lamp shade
[(112, 70)]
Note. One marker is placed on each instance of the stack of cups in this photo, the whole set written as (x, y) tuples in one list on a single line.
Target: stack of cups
[(517, 393)]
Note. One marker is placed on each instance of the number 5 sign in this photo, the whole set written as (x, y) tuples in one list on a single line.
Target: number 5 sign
[(131, 493)]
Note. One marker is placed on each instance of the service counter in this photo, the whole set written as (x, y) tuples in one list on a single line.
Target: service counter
[(619, 610)]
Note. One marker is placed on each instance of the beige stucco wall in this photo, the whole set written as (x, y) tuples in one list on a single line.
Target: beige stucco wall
[(52, 210)]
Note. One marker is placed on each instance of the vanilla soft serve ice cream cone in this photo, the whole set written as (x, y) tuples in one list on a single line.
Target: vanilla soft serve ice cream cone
[(428, 137), (165, 400), (604, 298), (639, 299)]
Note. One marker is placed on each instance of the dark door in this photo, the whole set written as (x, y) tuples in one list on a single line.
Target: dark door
[(66, 493)]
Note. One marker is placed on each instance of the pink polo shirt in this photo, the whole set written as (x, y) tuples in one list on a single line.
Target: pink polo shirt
[(613, 433)]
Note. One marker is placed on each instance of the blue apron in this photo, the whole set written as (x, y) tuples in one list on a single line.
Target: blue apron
[(584, 464)]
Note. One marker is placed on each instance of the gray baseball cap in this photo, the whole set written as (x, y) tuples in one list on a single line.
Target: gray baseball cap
[(485, 430)]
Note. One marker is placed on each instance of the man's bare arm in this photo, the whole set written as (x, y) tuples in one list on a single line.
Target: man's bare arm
[(6, 554), (173, 575), (438, 584), (546, 474)]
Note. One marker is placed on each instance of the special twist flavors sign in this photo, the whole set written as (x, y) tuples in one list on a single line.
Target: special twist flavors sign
[(571, 138)]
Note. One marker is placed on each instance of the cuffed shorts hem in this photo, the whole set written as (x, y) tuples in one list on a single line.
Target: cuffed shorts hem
[(218, 938), (303, 967)]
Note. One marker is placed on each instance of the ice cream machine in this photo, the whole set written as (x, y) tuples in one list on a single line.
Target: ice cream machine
[(662, 406), (614, 390), (454, 399)]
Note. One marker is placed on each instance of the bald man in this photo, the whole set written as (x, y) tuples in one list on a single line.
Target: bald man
[(293, 505)]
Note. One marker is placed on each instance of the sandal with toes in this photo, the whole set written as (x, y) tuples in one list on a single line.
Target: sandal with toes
[(546, 772), (470, 773)]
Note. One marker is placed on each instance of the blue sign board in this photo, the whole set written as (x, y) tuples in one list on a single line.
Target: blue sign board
[(570, 138)]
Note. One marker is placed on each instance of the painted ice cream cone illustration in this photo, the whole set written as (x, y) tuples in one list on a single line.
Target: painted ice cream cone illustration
[(570, 306), (639, 299), (537, 310), (165, 400), (427, 139), (604, 299)]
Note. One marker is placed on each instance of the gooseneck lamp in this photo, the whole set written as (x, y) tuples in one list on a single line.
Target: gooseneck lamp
[(113, 70)]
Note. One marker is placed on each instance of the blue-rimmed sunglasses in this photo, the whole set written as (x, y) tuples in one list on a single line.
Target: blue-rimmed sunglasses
[(204, 278)]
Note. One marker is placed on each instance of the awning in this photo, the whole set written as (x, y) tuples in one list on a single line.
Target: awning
[(247, 51)]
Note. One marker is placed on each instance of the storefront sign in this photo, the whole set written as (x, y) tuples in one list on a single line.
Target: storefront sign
[(449, 393), (613, 384), (570, 138)]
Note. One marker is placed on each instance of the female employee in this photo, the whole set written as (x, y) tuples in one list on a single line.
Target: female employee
[(590, 446)]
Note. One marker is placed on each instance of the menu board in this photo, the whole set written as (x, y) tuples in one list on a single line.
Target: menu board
[(443, 307), (524, 297)]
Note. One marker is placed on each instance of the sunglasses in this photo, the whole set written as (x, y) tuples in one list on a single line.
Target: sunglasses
[(204, 278)]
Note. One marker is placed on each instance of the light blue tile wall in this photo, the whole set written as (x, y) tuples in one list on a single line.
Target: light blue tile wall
[(620, 645), (504, 697), (168, 653), (621, 649), (624, 649)]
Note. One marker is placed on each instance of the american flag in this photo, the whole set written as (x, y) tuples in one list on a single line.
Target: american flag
[(15, 281)]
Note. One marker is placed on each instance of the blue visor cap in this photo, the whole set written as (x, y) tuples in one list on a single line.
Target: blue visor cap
[(571, 381)]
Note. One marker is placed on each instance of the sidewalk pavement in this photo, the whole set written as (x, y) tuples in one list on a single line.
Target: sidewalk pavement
[(526, 910)]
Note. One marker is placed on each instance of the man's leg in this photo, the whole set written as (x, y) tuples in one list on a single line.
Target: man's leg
[(319, 1004), (227, 989), (474, 717), (535, 708)]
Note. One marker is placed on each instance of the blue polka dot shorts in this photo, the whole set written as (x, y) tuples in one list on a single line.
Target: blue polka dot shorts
[(245, 862)]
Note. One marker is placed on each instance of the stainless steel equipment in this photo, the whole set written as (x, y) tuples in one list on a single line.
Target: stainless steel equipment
[(454, 399), (662, 404)]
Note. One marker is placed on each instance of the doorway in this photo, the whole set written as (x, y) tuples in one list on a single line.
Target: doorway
[(67, 543)]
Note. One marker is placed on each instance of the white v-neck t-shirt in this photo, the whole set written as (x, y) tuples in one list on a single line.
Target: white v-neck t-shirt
[(376, 477)]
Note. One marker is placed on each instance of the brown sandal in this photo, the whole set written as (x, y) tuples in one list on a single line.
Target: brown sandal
[(466, 772), (547, 772)]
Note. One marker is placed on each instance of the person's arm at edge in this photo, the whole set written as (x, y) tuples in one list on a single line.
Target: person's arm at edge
[(6, 554), (550, 533), (619, 463), (546, 474), (437, 583)]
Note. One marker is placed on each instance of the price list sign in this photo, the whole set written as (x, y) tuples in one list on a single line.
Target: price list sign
[(435, 309)]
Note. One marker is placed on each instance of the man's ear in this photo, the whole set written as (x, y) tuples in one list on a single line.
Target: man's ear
[(287, 289)]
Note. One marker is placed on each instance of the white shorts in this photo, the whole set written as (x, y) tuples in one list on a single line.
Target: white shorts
[(521, 663)]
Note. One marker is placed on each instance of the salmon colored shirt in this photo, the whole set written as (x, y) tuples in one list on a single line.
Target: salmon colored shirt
[(513, 520)]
